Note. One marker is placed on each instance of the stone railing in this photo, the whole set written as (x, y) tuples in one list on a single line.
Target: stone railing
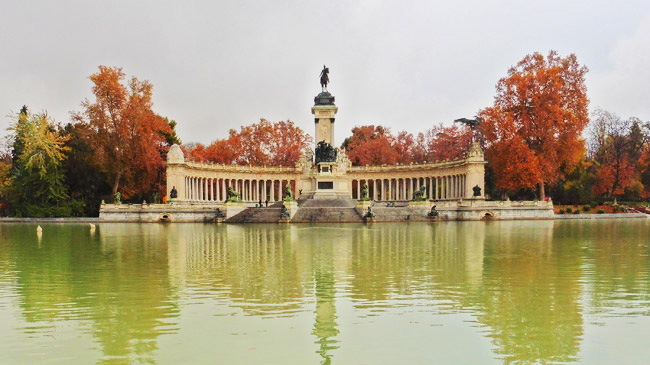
[(241, 169), (409, 167), (504, 203)]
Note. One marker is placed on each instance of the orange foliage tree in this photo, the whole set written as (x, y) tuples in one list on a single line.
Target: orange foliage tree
[(533, 129), (617, 147), (376, 145), (263, 143), (370, 145), (446, 143), (127, 137)]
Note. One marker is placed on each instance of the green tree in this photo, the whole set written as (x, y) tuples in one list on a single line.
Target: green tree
[(37, 179), (86, 181)]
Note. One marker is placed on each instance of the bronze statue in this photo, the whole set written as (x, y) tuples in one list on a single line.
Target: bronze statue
[(365, 193), (233, 196), (369, 213), (324, 78), (477, 190), (325, 152), (284, 212), (288, 194), (174, 193), (420, 194)]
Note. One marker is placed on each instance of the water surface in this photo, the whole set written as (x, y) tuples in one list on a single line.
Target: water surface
[(454, 292)]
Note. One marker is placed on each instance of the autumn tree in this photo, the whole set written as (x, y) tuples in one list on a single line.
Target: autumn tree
[(263, 143), (533, 130), (616, 146), (129, 140), (370, 145), (447, 143), (37, 180)]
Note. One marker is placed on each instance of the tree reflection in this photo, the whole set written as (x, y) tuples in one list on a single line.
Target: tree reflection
[(120, 288), (530, 294), (524, 282)]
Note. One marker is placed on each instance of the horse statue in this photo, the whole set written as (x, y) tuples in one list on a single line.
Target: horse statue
[(324, 78)]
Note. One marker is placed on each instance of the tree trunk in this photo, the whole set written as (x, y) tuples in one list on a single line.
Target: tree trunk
[(542, 193), (116, 184)]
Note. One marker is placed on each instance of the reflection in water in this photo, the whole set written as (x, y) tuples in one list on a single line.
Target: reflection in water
[(530, 293), (531, 287)]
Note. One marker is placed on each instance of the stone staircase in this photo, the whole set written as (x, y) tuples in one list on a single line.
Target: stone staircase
[(258, 215), (326, 210), (326, 215), (331, 211)]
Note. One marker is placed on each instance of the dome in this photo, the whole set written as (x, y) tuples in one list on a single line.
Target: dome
[(175, 154)]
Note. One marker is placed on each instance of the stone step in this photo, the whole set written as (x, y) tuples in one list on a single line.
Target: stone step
[(326, 203), (257, 215), (326, 214)]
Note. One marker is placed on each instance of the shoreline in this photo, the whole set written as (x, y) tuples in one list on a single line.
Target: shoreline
[(97, 220)]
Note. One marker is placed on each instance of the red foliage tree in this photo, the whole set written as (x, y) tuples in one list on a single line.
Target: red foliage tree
[(540, 111), (370, 145), (127, 137), (447, 143), (263, 143), (616, 146)]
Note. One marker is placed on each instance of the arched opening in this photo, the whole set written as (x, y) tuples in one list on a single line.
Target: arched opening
[(165, 217), (487, 216)]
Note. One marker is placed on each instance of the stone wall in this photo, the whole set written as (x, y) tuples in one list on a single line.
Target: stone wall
[(158, 213)]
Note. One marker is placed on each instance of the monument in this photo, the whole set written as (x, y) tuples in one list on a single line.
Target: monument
[(324, 186)]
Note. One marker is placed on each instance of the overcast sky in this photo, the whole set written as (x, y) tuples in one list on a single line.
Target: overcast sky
[(408, 65)]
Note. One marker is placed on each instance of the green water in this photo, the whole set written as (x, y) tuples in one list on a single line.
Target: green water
[(474, 292)]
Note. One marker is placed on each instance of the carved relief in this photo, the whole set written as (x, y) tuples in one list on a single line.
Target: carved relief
[(324, 131)]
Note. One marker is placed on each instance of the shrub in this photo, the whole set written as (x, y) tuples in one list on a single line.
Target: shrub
[(577, 211), (586, 208), (569, 210), (561, 211), (601, 211)]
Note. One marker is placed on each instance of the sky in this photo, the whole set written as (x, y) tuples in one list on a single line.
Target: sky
[(408, 65)]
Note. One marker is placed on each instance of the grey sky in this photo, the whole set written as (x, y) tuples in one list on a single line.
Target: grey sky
[(407, 65)]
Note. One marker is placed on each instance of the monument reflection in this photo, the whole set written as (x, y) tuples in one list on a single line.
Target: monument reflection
[(529, 285)]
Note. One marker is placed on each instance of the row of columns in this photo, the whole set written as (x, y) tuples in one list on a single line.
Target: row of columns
[(251, 190), (447, 187)]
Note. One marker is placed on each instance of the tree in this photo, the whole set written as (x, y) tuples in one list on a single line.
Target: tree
[(616, 146), (129, 140), (447, 143), (533, 129), (86, 181), (370, 145), (264, 143), (37, 185)]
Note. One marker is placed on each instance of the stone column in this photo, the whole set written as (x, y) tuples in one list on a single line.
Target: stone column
[(273, 190), (374, 189), (386, 195)]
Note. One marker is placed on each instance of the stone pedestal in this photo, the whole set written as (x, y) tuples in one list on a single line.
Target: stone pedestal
[(292, 208), (362, 207), (232, 209), (324, 122)]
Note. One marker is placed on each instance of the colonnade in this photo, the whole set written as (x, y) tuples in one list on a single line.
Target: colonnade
[(251, 190), (448, 187)]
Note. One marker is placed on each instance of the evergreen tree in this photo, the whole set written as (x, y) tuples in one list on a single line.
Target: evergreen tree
[(37, 181)]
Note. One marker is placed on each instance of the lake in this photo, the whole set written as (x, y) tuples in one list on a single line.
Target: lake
[(416, 293)]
